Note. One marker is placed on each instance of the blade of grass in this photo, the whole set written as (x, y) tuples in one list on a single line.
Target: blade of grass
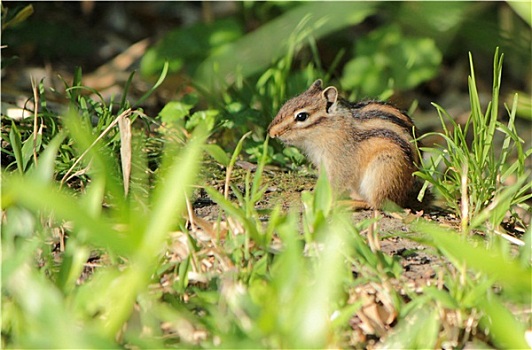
[(169, 196), (124, 104), (232, 162), (61, 206), (169, 201), (162, 76), (16, 145), (256, 193)]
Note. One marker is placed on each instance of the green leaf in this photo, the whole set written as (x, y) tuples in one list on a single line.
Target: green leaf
[(232, 210), (27, 149), (169, 196), (386, 58), (74, 260), (207, 117), (48, 321), (256, 50), (217, 153), (162, 76), (499, 205), (175, 111), (442, 297), (187, 47)]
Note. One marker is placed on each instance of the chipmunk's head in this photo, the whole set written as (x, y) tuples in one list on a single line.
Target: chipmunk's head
[(300, 118)]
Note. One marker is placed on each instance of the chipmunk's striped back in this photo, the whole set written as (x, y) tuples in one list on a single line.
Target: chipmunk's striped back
[(380, 119), (379, 110)]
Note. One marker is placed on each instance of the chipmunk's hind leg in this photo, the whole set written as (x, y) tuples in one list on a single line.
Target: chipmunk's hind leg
[(387, 178)]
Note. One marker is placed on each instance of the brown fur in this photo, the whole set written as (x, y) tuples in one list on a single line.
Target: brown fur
[(366, 148)]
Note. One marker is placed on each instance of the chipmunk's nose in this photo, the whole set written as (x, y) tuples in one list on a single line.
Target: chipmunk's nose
[(271, 130)]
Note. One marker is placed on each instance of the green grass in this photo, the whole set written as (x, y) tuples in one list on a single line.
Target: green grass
[(472, 176), (100, 264)]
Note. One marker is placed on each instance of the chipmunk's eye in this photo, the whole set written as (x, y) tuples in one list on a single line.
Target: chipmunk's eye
[(302, 116)]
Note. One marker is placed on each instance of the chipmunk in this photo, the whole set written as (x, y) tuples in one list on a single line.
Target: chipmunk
[(366, 148)]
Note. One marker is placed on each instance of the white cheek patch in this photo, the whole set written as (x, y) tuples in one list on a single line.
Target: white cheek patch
[(316, 154)]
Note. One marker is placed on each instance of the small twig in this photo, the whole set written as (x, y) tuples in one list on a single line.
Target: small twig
[(124, 114)]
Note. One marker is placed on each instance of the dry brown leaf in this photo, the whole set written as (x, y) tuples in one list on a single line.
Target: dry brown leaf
[(377, 312)]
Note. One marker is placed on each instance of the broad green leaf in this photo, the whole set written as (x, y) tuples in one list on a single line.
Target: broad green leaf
[(175, 112), (258, 49), (208, 118), (187, 47), (388, 59)]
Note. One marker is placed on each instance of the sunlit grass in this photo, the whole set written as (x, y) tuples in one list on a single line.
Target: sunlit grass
[(104, 265), (472, 177)]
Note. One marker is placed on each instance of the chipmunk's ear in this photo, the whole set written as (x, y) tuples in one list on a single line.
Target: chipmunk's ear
[(331, 95), (316, 86)]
